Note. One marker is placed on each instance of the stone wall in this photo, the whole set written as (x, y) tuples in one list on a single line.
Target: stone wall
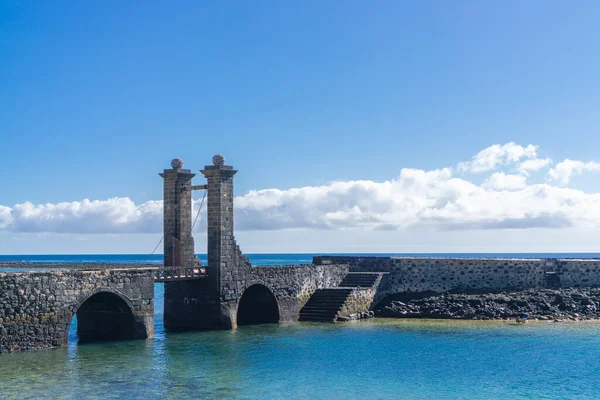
[(359, 301), (178, 244), (193, 304), (197, 304), (212, 303), (293, 285), (36, 309), (411, 274)]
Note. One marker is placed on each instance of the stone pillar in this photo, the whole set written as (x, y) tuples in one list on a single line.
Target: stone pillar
[(211, 303), (221, 250), (228, 270), (177, 225)]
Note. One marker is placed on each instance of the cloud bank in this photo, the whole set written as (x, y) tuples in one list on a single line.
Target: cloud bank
[(444, 199)]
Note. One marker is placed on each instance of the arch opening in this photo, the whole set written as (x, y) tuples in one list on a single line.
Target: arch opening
[(105, 316), (257, 305)]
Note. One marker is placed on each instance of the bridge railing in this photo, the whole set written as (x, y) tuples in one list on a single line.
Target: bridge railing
[(179, 273)]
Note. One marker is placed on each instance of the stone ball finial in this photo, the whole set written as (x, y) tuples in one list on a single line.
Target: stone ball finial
[(177, 163), (218, 160)]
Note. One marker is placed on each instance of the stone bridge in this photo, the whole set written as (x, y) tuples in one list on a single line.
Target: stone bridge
[(233, 292), (37, 309)]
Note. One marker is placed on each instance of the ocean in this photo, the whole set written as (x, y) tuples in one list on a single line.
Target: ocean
[(373, 359)]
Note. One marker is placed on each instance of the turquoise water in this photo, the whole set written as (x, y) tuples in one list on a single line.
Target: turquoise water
[(377, 359)]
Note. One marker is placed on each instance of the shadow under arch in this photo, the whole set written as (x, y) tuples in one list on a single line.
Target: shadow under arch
[(105, 315), (257, 305)]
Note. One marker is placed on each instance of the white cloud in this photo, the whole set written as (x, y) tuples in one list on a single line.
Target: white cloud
[(533, 165), (116, 215), (563, 171), (502, 181), (494, 156), (416, 198), (5, 217)]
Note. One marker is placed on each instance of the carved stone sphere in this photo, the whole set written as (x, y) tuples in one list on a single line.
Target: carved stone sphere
[(218, 160), (177, 163)]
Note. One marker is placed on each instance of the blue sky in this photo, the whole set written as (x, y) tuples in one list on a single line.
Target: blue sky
[(97, 97)]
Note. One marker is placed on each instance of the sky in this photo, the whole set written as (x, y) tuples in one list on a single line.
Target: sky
[(356, 126)]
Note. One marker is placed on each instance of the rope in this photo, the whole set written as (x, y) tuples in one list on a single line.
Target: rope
[(158, 244), (195, 219), (186, 239)]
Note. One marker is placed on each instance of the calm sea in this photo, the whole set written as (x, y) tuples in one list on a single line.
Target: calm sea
[(377, 359)]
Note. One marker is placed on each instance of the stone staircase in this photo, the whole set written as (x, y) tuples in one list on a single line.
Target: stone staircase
[(325, 304), (359, 279)]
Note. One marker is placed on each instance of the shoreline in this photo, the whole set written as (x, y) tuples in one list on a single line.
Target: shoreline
[(572, 304)]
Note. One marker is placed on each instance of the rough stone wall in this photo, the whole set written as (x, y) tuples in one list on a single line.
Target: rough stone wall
[(463, 275), (177, 218), (193, 304), (225, 260), (196, 304), (36, 309), (293, 285), (362, 299), (359, 301), (229, 271), (577, 273)]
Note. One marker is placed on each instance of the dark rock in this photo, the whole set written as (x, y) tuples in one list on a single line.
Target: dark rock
[(543, 304)]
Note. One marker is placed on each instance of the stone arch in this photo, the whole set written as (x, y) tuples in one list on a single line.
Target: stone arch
[(257, 305), (105, 314)]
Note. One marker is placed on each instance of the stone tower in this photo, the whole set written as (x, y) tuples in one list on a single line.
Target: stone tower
[(224, 256), (228, 267), (177, 225), (211, 302)]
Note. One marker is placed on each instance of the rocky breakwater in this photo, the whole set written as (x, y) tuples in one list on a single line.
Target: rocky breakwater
[(543, 304)]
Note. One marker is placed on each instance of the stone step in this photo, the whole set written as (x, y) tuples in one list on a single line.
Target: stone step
[(328, 301), (331, 298), (325, 303), (358, 280), (356, 284), (316, 319), (372, 278), (325, 306), (318, 308), (336, 292), (327, 297), (319, 314)]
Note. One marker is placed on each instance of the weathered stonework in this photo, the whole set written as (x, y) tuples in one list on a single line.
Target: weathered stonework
[(293, 285), (413, 275), (177, 216), (213, 303), (361, 300), (36, 309)]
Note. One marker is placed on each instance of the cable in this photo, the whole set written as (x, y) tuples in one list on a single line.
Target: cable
[(150, 255), (186, 239), (195, 219)]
